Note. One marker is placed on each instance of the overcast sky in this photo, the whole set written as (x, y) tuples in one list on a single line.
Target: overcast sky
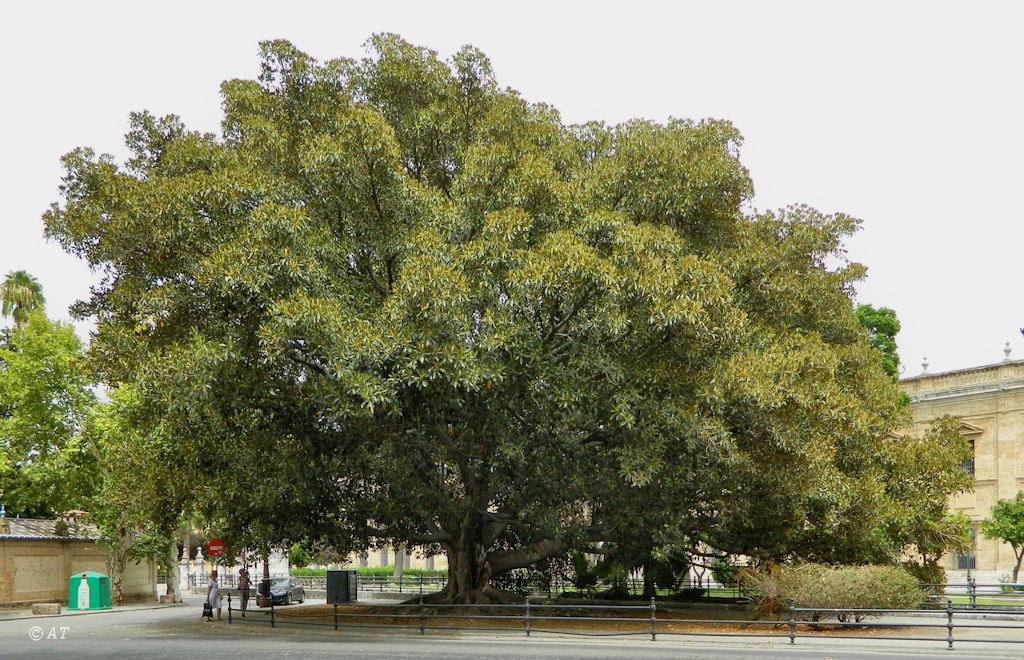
[(907, 115)]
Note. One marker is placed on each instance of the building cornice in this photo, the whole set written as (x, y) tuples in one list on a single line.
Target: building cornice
[(977, 381)]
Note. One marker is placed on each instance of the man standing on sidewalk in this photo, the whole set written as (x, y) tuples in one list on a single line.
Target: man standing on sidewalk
[(243, 588)]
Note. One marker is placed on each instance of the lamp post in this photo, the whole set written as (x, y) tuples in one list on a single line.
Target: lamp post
[(264, 591)]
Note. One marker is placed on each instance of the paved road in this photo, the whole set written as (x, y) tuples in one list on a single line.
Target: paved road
[(176, 632)]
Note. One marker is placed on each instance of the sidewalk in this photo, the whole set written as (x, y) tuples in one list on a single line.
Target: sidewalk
[(26, 612)]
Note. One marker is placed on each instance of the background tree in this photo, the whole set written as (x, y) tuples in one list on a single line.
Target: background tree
[(883, 326), (1007, 524), (446, 318), (44, 395), (20, 294), (138, 501)]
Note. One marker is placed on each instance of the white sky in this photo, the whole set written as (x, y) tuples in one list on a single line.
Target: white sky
[(908, 115)]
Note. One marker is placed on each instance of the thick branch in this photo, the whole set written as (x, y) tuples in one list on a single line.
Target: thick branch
[(494, 528), (437, 536), (559, 328), (368, 270), (503, 561), (295, 355)]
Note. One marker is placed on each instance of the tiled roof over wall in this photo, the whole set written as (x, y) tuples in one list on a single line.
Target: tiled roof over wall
[(48, 530)]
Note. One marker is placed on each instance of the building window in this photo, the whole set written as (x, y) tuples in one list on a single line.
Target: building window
[(364, 560), (966, 562), (968, 465), (430, 563), (384, 557)]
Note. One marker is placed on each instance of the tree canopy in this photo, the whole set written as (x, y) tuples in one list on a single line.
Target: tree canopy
[(411, 307)]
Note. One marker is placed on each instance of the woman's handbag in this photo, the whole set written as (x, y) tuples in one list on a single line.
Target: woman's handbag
[(207, 610)]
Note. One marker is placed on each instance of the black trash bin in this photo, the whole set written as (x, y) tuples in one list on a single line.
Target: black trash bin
[(342, 587)]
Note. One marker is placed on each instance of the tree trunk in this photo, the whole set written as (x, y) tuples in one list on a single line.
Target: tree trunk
[(116, 561), (399, 561), (471, 566), (1020, 556), (648, 579), (173, 575), (469, 575)]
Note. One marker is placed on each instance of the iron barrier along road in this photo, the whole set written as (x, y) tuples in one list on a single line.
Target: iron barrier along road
[(950, 624)]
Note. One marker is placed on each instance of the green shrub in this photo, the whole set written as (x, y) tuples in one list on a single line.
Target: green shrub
[(929, 573), (299, 555), (831, 588), (379, 570)]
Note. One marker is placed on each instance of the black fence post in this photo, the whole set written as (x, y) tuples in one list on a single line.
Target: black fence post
[(271, 612), (335, 616), (654, 620), (949, 623), (421, 615), (792, 621), (229, 608), (973, 591)]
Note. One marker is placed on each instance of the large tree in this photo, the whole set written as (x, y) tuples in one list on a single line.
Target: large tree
[(411, 307)]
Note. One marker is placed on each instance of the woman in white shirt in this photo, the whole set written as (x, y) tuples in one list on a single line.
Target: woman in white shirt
[(213, 595)]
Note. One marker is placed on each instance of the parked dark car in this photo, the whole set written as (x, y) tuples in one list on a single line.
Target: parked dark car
[(286, 590)]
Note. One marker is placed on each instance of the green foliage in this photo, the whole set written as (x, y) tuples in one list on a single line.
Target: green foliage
[(299, 555), (44, 395), (151, 546), (827, 587), (388, 571), (882, 326), (438, 316), (725, 572), (1007, 524), (584, 575), (920, 475)]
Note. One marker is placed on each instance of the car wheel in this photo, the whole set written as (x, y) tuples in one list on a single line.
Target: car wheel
[(302, 598), (288, 599)]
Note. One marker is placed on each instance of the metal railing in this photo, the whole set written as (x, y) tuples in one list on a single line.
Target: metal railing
[(946, 621), (425, 584), (950, 624), (227, 580), (973, 594)]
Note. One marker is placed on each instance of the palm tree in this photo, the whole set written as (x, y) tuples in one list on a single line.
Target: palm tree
[(21, 294)]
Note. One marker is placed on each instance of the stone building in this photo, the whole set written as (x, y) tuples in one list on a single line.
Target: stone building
[(389, 557), (989, 401)]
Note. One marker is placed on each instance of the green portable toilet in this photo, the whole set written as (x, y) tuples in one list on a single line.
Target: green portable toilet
[(89, 590)]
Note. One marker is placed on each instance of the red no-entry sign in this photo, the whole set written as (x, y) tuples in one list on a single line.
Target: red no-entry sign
[(215, 548)]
